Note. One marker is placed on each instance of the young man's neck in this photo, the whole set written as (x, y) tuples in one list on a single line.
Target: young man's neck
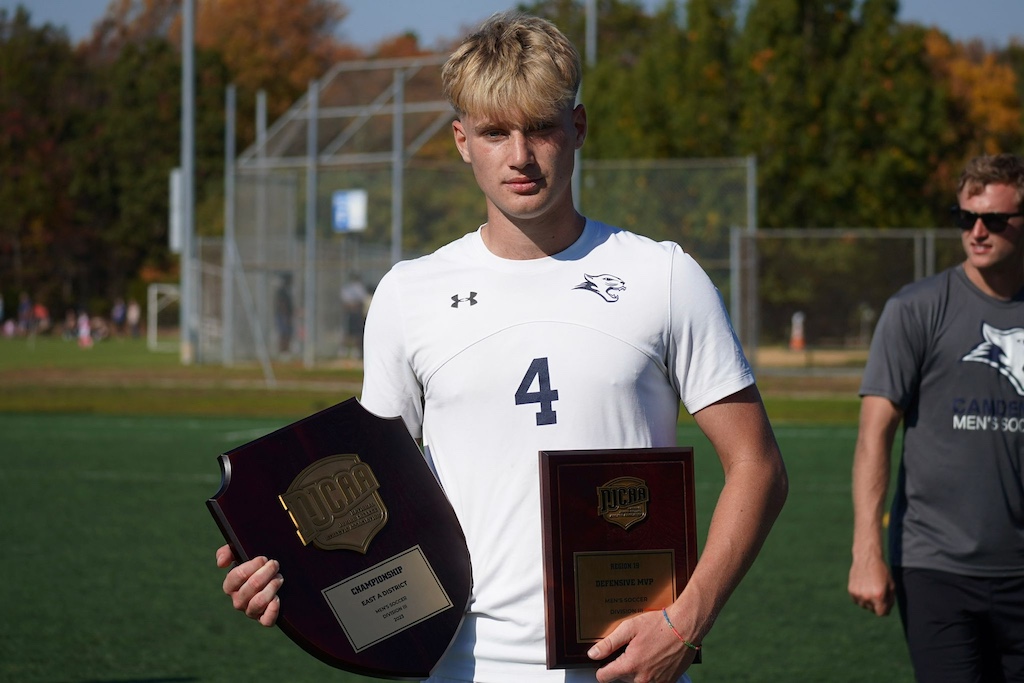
[(524, 239), (1003, 284)]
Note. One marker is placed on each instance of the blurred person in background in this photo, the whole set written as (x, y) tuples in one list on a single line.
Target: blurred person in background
[(26, 314), (70, 327), (947, 360), (284, 314), (354, 299), (538, 297), (41, 318), (118, 316), (84, 330), (133, 317)]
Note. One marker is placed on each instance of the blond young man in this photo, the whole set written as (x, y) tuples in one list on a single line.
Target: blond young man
[(546, 330), (947, 359)]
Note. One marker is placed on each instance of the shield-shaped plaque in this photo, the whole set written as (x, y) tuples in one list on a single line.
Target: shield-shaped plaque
[(377, 567)]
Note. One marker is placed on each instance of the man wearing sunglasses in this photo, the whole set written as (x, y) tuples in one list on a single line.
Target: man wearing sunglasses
[(947, 359)]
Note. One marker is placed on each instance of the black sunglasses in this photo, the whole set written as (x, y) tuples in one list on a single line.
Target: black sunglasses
[(994, 222)]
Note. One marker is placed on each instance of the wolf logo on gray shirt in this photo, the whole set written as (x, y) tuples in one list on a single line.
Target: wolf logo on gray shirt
[(1003, 350)]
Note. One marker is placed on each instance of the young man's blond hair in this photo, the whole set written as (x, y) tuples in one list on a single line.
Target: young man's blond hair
[(514, 67)]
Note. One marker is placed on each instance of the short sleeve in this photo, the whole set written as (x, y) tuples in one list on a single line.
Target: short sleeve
[(893, 370), (706, 358), (390, 387)]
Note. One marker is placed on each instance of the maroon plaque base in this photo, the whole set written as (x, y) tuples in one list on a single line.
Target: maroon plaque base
[(376, 565), (619, 540)]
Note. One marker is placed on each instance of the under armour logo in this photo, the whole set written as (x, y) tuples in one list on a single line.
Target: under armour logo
[(456, 299)]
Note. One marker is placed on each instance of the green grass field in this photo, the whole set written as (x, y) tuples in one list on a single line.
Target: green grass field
[(106, 461)]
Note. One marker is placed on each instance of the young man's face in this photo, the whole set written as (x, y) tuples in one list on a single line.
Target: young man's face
[(524, 169), (987, 250)]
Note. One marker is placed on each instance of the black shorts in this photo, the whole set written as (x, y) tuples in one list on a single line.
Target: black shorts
[(962, 629)]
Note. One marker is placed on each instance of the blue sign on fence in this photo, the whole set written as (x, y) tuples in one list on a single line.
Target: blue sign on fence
[(348, 209)]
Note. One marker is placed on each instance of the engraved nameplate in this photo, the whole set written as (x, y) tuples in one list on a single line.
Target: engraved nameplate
[(387, 598), (612, 587)]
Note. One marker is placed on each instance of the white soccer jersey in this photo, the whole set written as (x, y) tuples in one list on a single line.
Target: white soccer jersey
[(492, 360)]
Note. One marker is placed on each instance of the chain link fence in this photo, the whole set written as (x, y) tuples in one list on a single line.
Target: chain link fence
[(811, 297), (258, 312), (801, 299), (288, 283)]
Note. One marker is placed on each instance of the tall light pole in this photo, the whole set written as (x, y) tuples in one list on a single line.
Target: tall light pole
[(591, 59), (188, 304), (591, 46)]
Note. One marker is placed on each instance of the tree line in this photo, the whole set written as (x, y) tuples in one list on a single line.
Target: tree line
[(856, 118)]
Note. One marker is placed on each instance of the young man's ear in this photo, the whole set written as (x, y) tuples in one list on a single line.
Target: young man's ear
[(579, 122), (461, 141)]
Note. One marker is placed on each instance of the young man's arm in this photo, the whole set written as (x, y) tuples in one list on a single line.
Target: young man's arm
[(870, 584), (755, 489)]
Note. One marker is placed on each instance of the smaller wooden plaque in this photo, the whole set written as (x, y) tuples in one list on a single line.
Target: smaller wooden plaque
[(619, 540)]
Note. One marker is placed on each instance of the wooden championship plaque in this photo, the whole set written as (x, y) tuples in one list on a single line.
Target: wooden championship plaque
[(377, 569), (619, 540)]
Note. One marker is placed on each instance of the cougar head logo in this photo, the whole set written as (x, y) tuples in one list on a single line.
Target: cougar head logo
[(1004, 351), (605, 286)]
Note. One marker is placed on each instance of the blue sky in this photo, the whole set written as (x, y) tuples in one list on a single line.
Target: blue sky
[(994, 21)]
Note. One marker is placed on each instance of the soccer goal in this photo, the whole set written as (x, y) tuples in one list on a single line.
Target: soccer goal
[(163, 317)]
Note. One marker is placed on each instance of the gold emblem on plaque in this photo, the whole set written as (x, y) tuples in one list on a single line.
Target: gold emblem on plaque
[(623, 501), (334, 504)]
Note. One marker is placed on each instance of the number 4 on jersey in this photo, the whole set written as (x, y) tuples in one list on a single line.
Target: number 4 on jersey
[(545, 395)]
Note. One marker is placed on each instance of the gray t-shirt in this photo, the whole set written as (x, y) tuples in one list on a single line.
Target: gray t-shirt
[(953, 359)]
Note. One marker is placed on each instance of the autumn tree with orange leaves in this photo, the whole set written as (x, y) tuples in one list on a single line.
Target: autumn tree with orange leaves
[(856, 118), (275, 45), (984, 102)]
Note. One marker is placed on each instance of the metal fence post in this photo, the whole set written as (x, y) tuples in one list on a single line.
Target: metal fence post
[(309, 298)]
